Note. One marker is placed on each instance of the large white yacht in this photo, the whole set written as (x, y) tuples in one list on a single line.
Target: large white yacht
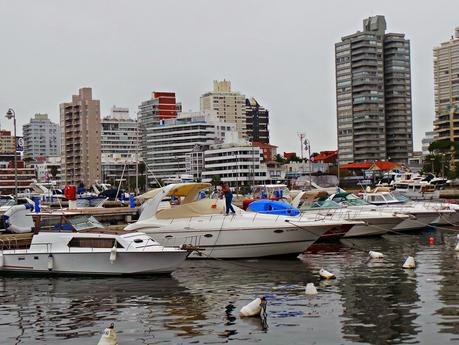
[(375, 222), (203, 223), (420, 217), (63, 243)]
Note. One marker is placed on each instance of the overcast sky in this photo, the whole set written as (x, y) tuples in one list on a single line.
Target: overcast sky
[(280, 52)]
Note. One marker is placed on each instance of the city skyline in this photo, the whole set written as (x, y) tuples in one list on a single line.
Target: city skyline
[(123, 71)]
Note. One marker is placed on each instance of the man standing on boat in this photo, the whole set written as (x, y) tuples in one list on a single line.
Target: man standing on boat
[(228, 198)]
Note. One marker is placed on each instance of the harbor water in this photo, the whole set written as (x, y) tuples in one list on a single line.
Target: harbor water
[(370, 301)]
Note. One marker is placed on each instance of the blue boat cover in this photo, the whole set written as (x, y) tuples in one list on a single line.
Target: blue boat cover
[(279, 208)]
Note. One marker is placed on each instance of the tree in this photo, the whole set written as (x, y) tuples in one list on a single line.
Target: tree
[(53, 171), (278, 158), (216, 180)]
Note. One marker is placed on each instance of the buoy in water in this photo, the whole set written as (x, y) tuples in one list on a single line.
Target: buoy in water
[(254, 308), (109, 336), (113, 254), (310, 289), (457, 247), (324, 274), (409, 262), (431, 240), (376, 255)]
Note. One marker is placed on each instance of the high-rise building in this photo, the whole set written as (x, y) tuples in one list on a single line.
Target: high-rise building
[(171, 143), (257, 121), (373, 94), (80, 138), (161, 106), (228, 106), (446, 79), (119, 145), (41, 137), (7, 142)]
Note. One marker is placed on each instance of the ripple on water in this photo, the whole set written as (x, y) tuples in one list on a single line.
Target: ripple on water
[(374, 302)]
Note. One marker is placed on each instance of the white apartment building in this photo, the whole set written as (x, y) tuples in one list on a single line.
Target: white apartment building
[(170, 143), (119, 144), (426, 141), (236, 164), (229, 106), (42, 137)]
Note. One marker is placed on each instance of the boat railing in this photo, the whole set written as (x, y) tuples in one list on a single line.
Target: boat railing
[(16, 250), (194, 240)]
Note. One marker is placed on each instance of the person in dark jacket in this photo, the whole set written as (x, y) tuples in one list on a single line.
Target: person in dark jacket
[(228, 198)]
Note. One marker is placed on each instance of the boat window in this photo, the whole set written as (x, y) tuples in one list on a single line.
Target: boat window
[(90, 242), (390, 197), (84, 222)]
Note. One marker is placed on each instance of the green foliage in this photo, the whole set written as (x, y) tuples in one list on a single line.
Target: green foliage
[(216, 180), (278, 158), (53, 171)]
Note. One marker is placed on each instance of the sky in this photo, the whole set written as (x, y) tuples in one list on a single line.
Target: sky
[(280, 52)]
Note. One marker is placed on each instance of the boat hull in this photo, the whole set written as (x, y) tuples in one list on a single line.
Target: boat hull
[(95, 263), (374, 227), (237, 243), (417, 221)]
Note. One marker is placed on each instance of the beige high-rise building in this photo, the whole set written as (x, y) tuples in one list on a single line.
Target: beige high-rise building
[(227, 105), (446, 80), (7, 142), (80, 139)]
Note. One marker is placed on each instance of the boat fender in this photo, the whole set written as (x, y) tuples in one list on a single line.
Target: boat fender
[(324, 274), (376, 255), (310, 289), (109, 336), (457, 247), (1, 260), (50, 262), (113, 254), (254, 308), (409, 262), (17, 228)]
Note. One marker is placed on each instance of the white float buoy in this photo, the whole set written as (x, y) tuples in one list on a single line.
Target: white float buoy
[(457, 237), (310, 289), (326, 275), (457, 247), (254, 308), (50, 262), (376, 255), (113, 254), (109, 336), (409, 262)]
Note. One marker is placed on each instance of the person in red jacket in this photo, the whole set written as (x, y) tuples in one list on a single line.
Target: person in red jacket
[(228, 198)]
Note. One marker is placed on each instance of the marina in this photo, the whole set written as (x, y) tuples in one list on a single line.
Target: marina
[(375, 302), (244, 172)]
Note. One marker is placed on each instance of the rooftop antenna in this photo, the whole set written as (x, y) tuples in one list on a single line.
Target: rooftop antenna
[(301, 137)]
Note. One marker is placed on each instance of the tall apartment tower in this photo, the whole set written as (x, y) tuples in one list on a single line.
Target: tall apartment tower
[(446, 79), (373, 94), (227, 105), (42, 137), (257, 121), (80, 139), (152, 112)]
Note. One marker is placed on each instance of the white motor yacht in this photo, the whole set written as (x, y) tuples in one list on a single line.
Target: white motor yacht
[(446, 212), (202, 222), (420, 217), (375, 222), (63, 243)]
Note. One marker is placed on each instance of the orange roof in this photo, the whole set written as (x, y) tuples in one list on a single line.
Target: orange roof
[(385, 165), (364, 165), (263, 145), (324, 155)]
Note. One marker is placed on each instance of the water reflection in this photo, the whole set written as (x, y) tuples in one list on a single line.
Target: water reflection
[(378, 296), (375, 302)]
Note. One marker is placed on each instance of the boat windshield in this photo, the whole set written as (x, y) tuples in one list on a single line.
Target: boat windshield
[(84, 222), (349, 199), (325, 204), (7, 202), (390, 197)]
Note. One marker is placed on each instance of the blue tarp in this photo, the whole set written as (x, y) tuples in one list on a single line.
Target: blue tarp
[(279, 208)]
